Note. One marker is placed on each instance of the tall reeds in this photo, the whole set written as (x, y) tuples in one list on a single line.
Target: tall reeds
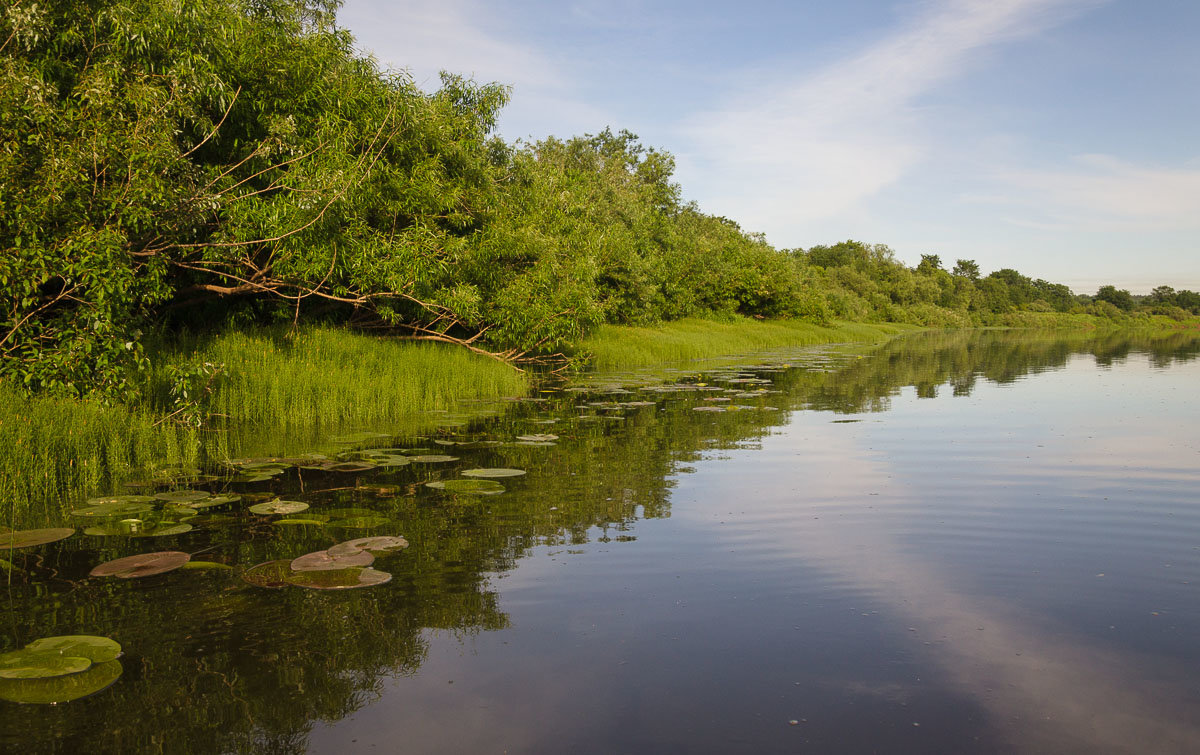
[(616, 347)]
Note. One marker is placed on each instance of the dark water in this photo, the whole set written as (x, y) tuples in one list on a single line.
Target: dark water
[(956, 543)]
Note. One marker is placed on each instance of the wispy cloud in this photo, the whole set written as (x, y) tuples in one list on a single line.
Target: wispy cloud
[(463, 36), (806, 147), (1103, 193)]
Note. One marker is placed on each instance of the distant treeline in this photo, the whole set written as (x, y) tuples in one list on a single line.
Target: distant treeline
[(218, 163)]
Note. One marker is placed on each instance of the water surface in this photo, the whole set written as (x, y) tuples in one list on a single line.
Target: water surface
[(970, 542)]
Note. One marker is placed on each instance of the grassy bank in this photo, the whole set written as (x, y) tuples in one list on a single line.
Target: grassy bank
[(616, 347), (268, 394)]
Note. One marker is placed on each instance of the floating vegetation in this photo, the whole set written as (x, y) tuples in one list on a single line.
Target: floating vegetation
[(538, 437), (433, 459), (305, 522), (272, 574), (325, 561), (116, 506), (95, 649), (492, 472), (279, 507), (279, 574), (468, 486), (59, 669), (134, 527), (61, 689), (142, 565), (183, 496), (31, 538), (378, 545), (30, 664), (205, 566)]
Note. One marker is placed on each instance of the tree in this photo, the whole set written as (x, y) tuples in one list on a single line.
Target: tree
[(966, 269), (929, 264), (1119, 298)]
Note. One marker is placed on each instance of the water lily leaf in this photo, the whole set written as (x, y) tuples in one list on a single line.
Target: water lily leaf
[(391, 461), (32, 664), (350, 466), (279, 507), (306, 521), (325, 561), (378, 545), (183, 496), (339, 579), (138, 528), (272, 574), (534, 443), (493, 472), (433, 458), (31, 538), (105, 499), (538, 437), (475, 487), (142, 565), (206, 566), (95, 649), (61, 689), (257, 477), (114, 509), (213, 500)]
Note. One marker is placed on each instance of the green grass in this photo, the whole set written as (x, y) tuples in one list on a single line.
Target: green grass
[(54, 451), (272, 395), (616, 347), (333, 377)]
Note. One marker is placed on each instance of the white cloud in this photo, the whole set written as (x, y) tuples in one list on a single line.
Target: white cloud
[(426, 36), (800, 149), (1103, 193)]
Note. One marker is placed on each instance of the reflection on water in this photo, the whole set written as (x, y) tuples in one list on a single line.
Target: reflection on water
[(1000, 553)]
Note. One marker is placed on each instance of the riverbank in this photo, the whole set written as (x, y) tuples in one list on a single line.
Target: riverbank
[(268, 393)]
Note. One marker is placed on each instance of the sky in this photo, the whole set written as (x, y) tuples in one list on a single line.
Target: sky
[(1057, 137)]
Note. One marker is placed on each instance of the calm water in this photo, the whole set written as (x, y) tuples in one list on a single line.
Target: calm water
[(967, 543)]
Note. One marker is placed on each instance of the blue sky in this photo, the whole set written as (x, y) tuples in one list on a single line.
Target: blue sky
[(1058, 137)]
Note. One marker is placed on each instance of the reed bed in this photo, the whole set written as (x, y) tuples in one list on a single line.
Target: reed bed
[(329, 377), (55, 451), (616, 347), (271, 394)]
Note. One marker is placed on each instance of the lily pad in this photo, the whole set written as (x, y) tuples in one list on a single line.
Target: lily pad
[(61, 689), (31, 538), (325, 561), (298, 521), (142, 565), (183, 496), (433, 458), (213, 501), (272, 574), (351, 466), (475, 487), (138, 528), (119, 499), (493, 472), (377, 545), (279, 507), (538, 437), (32, 664), (114, 508), (206, 566), (95, 649), (340, 579)]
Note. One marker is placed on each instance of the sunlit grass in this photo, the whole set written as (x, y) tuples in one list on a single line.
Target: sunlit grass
[(54, 451), (272, 395), (621, 347)]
